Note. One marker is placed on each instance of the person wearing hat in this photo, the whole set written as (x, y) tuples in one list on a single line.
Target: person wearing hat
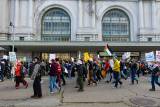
[(80, 69)]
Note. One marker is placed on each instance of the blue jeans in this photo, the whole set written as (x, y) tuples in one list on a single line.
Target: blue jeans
[(154, 79), (52, 83)]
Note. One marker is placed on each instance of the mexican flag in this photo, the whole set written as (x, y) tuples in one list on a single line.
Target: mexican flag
[(106, 50)]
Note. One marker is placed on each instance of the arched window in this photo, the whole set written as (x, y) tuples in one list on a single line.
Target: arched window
[(115, 26), (56, 25)]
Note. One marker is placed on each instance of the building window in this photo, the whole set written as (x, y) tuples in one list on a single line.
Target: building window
[(56, 25), (115, 26), (21, 38), (149, 39)]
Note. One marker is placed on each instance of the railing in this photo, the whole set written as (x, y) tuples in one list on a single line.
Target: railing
[(116, 39), (87, 37), (147, 37), (56, 38)]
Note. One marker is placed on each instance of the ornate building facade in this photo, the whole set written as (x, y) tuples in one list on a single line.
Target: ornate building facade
[(73, 26)]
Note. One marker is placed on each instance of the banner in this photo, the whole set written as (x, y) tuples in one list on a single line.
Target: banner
[(12, 56), (158, 56), (149, 56)]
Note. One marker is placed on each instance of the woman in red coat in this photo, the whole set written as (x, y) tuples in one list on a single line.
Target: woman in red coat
[(19, 75)]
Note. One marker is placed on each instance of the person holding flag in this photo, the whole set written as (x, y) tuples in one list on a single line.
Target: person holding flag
[(107, 50)]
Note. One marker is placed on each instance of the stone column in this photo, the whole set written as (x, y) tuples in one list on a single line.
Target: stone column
[(30, 14), (16, 13), (141, 14), (80, 13), (94, 13), (153, 14)]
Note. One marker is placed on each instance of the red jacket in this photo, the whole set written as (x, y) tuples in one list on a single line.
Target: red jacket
[(107, 65), (18, 69)]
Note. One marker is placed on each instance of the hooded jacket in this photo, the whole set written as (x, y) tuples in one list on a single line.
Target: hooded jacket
[(116, 67)]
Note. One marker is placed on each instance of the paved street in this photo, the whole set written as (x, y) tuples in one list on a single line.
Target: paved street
[(102, 95)]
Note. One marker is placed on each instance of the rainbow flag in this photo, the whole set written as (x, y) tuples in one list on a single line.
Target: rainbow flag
[(106, 50)]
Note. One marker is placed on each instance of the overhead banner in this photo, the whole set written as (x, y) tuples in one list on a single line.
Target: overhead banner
[(149, 56), (158, 56), (12, 56)]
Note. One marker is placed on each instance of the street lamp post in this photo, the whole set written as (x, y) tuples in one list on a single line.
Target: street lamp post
[(13, 35)]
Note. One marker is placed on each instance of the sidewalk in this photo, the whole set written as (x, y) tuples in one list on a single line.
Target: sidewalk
[(105, 95), (102, 95), (11, 97)]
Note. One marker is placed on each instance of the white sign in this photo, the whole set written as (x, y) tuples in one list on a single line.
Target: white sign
[(149, 56), (51, 56), (158, 56), (12, 56), (126, 55)]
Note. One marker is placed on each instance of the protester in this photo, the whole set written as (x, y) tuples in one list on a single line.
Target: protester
[(36, 76), (31, 68), (80, 70), (19, 75), (134, 72), (53, 77), (116, 71), (1, 71), (62, 72), (90, 69), (107, 68), (59, 71), (155, 73)]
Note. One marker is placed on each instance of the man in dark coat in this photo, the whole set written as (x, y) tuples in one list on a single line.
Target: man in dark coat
[(36, 76)]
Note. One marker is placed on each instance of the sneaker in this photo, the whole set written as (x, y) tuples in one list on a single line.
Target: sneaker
[(52, 92), (152, 89)]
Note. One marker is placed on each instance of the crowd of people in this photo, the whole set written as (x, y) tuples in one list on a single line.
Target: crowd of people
[(93, 71)]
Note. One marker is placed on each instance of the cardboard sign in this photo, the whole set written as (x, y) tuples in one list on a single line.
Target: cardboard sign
[(51, 56), (149, 56), (12, 56), (158, 56)]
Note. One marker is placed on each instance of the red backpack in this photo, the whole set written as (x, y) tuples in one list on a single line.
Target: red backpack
[(59, 70)]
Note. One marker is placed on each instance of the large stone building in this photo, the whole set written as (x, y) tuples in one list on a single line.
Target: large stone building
[(39, 27)]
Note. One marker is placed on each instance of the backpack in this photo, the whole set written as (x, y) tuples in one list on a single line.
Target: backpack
[(59, 69)]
